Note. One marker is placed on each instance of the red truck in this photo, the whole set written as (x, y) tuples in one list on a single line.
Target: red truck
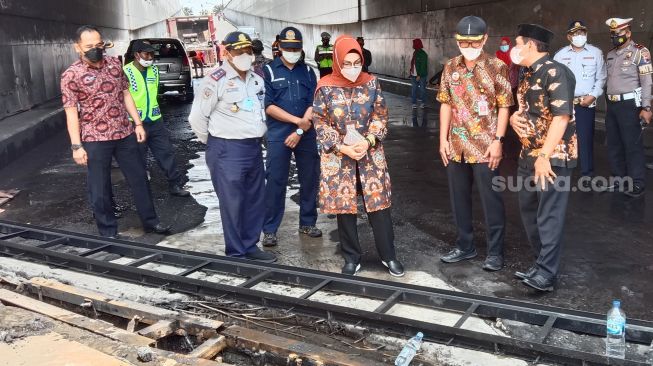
[(198, 35)]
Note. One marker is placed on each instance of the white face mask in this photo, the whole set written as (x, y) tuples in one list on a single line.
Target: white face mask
[(470, 53), (291, 57), (145, 63), (351, 73), (243, 62), (515, 55), (579, 40)]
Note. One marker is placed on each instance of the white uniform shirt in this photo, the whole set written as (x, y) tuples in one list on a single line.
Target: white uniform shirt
[(225, 106)]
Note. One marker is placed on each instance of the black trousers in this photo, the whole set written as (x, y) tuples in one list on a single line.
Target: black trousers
[(158, 142), (625, 147), (384, 236), (461, 177), (127, 154), (381, 222), (543, 215)]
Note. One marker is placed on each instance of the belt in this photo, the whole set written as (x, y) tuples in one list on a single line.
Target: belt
[(621, 97)]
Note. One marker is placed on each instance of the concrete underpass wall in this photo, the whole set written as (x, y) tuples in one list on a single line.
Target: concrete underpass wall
[(269, 28), (36, 41), (389, 26)]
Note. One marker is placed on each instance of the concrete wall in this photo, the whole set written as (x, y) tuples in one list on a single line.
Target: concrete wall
[(389, 26), (36, 41), (302, 12)]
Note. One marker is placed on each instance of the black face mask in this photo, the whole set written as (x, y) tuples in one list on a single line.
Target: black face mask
[(325, 41), (94, 54), (618, 40)]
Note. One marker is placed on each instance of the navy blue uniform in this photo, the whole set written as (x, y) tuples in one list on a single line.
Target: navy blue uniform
[(292, 91)]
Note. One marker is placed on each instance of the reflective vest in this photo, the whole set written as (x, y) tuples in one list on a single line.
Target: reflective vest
[(144, 91), (325, 62)]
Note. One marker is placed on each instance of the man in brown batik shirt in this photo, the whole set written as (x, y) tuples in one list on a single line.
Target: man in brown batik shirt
[(476, 95)]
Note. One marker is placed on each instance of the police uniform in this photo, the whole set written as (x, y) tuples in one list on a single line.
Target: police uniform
[(227, 115), (628, 92), (588, 67), (291, 90)]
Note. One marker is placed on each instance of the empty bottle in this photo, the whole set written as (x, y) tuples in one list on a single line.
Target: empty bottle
[(615, 343), (410, 349)]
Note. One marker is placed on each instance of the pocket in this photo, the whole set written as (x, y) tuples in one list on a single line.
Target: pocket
[(280, 88), (305, 90)]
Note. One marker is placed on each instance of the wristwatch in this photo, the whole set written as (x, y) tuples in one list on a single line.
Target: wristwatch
[(75, 147), (543, 155), (499, 138), (299, 131), (647, 108)]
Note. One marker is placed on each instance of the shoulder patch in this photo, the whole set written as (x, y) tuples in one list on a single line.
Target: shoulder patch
[(218, 74)]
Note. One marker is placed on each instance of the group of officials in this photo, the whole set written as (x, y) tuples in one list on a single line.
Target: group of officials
[(111, 114)]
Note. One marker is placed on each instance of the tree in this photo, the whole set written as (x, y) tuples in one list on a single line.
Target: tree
[(204, 12), (187, 11), (218, 8)]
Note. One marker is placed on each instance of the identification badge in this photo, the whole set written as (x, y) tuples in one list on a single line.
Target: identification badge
[(248, 104), (483, 108)]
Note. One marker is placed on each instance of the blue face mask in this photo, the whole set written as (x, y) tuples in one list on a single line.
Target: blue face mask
[(504, 48)]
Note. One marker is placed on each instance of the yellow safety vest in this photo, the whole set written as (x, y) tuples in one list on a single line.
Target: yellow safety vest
[(144, 91), (325, 62)]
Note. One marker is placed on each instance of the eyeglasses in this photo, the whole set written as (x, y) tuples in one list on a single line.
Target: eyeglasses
[(467, 44), (349, 64)]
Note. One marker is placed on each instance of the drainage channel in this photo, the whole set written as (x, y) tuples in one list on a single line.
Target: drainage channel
[(85, 253)]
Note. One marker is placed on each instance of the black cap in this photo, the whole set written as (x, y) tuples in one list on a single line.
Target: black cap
[(471, 28), (535, 31), (237, 40), (576, 25), (141, 46), (325, 35), (290, 37)]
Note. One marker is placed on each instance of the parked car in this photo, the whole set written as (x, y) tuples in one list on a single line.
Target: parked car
[(170, 57)]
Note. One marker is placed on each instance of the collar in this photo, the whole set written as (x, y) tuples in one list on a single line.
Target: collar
[(88, 66), (537, 64), (629, 44), (231, 73), (277, 63), (571, 48)]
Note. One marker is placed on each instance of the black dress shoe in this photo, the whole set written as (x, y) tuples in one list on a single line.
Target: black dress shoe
[(522, 275), (493, 263), (636, 192), (539, 283), (351, 268), (458, 255), (178, 191), (261, 256), (394, 267), (159, 229)]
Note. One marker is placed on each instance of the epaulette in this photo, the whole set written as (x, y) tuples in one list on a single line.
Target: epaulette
[(218, 74)]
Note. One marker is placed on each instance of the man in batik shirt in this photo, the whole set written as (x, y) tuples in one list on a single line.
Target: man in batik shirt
[(476, 96), (545, 124)]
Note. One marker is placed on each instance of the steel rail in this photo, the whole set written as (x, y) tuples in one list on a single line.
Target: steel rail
[(76, 251)]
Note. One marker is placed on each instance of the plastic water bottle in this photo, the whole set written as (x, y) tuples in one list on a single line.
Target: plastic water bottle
[(615, 343), (410, 349)]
